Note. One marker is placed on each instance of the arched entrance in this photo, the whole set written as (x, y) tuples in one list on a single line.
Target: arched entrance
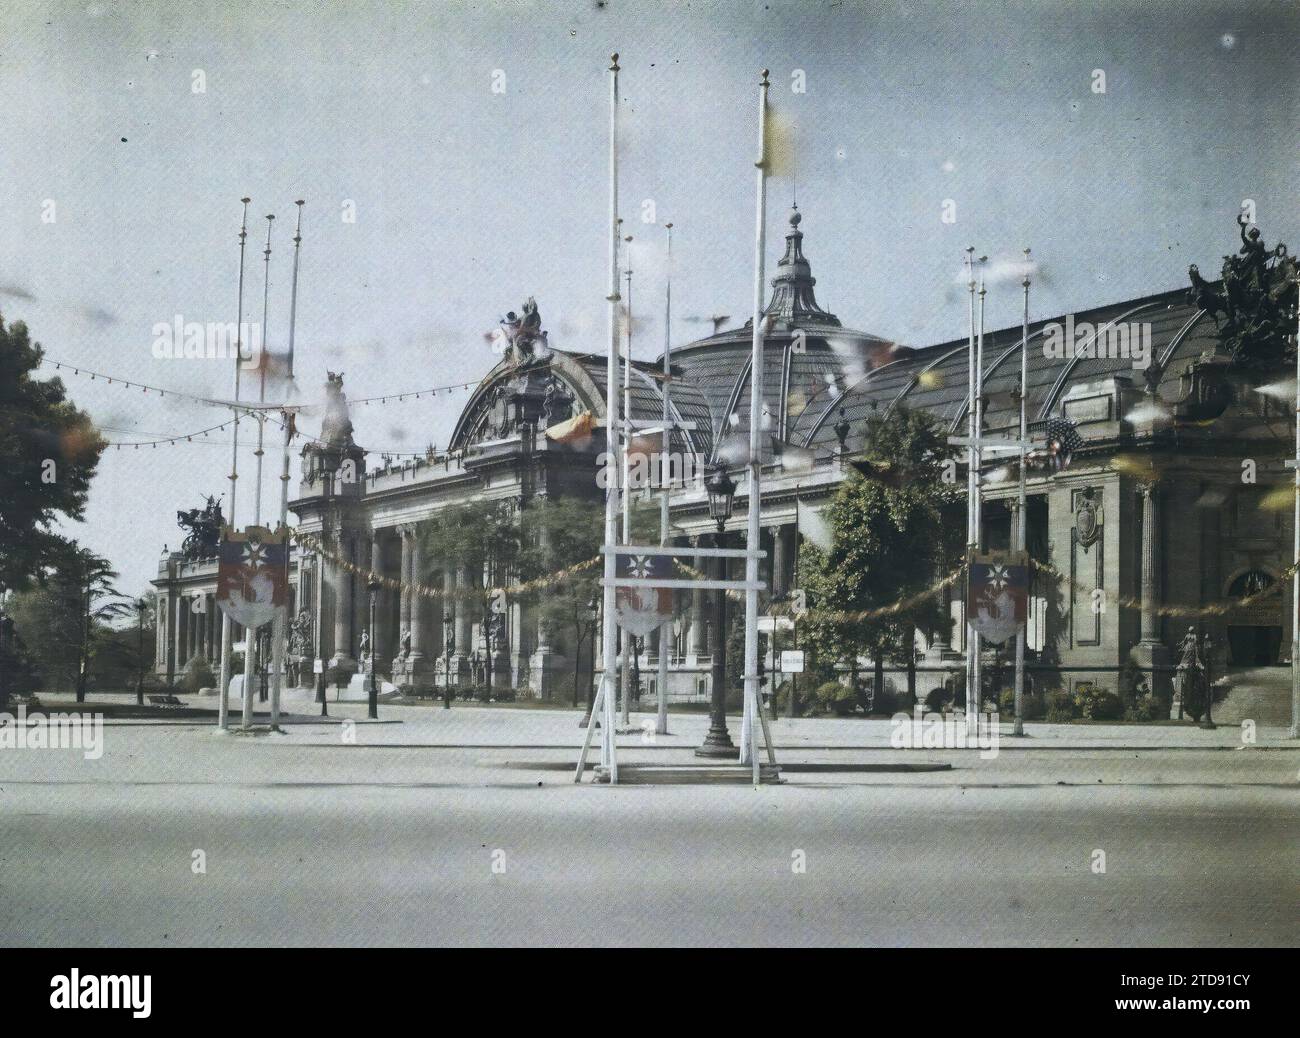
[(1254, 633)]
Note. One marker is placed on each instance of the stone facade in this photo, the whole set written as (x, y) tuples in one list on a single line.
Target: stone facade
[(1151, 510)]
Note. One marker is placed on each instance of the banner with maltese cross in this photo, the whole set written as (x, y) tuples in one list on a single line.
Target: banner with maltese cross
[(252, 574), (997, 594), (641, 610)]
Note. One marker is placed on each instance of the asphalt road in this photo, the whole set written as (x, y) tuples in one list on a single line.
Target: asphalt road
[(395, 845)]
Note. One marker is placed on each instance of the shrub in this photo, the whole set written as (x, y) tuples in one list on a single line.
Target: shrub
[(1098, 704), (198, 674), (834, 697), (1146, 708), (938, 699), (887, 703), (1059, 706)]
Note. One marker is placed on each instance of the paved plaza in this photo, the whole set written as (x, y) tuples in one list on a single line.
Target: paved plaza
[(465, 827)]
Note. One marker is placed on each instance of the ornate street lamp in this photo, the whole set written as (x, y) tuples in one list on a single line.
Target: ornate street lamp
[(448, 646), (1207, 720), (140, 606), (593, 614), (721, 490), (373, 587)]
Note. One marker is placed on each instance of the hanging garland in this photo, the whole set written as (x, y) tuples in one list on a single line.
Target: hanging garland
[(312, 543)]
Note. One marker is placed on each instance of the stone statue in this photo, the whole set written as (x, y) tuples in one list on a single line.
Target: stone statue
[(300, 634), (406, 642), (524, 331), (204, 526), (336, 425), (1253, 309), (1191, 675), (363, 650)]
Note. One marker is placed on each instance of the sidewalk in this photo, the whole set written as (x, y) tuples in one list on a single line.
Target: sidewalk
[(508, 727)]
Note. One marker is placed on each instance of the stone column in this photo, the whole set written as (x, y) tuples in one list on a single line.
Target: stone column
[(211, 626), (179, 631), (779, 561), (696, 638), (379, 637), (1150, 652), (343, 606), (464, 650), (162, 635), (1150, 631), (404, 602), (419, 606)]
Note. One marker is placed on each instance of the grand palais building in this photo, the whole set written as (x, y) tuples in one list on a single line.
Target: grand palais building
[(1152, 508)]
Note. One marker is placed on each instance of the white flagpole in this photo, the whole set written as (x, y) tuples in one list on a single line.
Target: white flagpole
[(227, 626), (1022, 515), (666, 630), (1294, 731), (749, 733), (608, 752), (282, 615), (251, 635), (971, 467), (629, 642), (978, 511)]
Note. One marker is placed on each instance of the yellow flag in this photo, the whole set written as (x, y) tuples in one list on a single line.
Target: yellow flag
[(778, 143)]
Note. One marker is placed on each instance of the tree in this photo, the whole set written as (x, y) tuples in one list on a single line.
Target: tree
[(891, 542), (65, 619), (484, 538), (49, 451), (557, 535)]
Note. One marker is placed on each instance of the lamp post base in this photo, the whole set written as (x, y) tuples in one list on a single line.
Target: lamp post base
[(718, 744)]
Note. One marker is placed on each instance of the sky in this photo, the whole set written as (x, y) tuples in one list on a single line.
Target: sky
[(469, 143)]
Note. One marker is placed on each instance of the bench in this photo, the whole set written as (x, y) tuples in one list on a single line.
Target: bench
[(165, 700)]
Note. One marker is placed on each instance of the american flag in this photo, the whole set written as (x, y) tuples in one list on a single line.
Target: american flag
[(1063, 440)]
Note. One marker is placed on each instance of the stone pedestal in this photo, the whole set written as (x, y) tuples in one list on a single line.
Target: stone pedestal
[(1153, 654), (340, 669), (545, 668), (460, 670), (416, 671)]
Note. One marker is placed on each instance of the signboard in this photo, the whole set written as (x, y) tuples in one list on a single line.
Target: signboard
[(318, 666), (997, 594), (641, 610), (792, 661), (768, 624), (252, 574)]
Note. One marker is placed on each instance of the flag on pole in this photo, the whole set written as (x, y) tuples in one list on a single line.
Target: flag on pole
[(573, 432), (997, 594), (252, 574), (641, 610)]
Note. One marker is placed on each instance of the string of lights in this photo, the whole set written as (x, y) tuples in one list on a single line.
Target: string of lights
[(171, 440), (144, 387), (161, 392)]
